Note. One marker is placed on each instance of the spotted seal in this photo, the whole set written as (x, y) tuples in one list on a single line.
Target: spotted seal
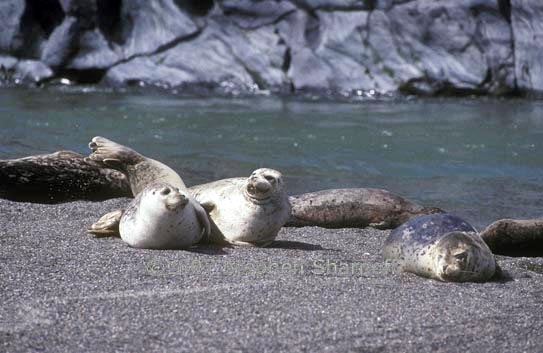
[(440, 246), (246, 211), (159, 217), (59, 177), (353, 208)]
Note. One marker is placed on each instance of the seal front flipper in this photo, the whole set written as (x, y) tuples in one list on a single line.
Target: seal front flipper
[(208, 206), (214, 236), (107, 225), (203, 218)]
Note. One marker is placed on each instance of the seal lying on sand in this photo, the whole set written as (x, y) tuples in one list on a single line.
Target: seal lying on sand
[(59, 177), (353, 208), (440, 246), (160, 217), (515, 237), (247, 211)]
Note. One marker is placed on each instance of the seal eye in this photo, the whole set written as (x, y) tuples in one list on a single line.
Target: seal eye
[(269, 178), (463, 256), (165, 191)]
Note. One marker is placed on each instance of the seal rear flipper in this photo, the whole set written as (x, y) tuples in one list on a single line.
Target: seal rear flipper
[(107, 225), (113, 154)]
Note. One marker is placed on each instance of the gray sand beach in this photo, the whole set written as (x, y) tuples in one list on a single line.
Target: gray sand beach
[(314, 290)]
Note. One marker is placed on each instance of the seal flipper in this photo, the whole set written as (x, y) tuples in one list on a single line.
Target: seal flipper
[(140, 171), (215, 236), (112, 154), (107, 225), (203, 218)]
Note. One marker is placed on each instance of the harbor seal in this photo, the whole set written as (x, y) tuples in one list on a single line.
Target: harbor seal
[(140, 170), (59, 177), (353, 208), (160, 217), (440, 246), (515, 237), (246, 211), (243, 211)]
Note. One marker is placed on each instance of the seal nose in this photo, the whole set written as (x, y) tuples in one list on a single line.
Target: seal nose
[(262, 186), (176, 201)]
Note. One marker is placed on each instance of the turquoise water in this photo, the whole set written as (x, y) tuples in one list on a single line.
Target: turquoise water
[(479, 158)]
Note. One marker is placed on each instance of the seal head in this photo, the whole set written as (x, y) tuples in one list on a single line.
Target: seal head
[(263, 185), (459, 257)]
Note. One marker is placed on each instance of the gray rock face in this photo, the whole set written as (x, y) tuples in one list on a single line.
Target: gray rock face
[(335, 46), (527, 26)]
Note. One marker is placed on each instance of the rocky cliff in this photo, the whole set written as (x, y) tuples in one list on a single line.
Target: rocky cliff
[(356, 47)]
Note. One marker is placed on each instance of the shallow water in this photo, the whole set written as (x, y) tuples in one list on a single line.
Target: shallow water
[(478, 158)]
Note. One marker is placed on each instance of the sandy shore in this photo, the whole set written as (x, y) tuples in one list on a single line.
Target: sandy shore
[(314, 290)]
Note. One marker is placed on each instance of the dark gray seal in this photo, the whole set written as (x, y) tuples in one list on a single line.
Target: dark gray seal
[(59, 177), (440, 246), (353, 208)]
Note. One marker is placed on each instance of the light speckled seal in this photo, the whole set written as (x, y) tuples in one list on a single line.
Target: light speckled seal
[(353, 208), (246, 211), (440, 246), (160, 217)]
